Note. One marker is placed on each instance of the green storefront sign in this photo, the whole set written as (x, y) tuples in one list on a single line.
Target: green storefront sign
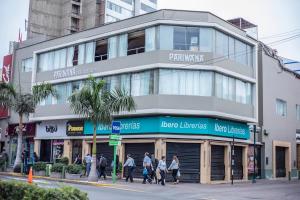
[(175, 125)]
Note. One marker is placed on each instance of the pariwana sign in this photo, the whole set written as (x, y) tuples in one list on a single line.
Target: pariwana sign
[(186, 57)]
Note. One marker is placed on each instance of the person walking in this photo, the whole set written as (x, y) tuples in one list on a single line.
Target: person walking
[(102, 167), (130, 167), (147, 164), (154, 163), (174, 167), (78, 160), (162, 167), (88, 161)]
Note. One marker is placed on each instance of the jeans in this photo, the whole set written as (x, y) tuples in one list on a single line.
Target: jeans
[(88, 168), (174, 174), (102, 172), (129, 175), (163, 177), (148, 175)]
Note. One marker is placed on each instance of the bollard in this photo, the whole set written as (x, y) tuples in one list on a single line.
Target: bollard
[(63, 171), (290, 176)]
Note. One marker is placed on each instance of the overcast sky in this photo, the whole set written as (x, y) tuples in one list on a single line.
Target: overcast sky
[(271, 16)]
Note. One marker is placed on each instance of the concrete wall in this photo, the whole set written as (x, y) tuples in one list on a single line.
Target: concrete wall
[(283, 85)]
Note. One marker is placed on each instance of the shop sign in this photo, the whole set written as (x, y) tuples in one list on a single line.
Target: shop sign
[(28, 129), (51, 130), (298, 137), (175, 125), (75, 128), (7, 68), (186, 57), (69, 72)]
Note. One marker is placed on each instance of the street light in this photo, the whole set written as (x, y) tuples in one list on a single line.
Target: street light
[(254, 129), (232, 160)]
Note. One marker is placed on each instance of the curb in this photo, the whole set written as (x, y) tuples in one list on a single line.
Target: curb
[(60, 180)]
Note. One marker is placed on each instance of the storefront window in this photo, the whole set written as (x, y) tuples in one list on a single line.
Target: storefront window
[(58, 149), (76, 149)]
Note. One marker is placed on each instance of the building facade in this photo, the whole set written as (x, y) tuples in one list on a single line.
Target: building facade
[(61, 17), (193, 77)]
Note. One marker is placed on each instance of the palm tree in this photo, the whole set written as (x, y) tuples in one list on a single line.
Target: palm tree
[(96, 104), (23, 104)]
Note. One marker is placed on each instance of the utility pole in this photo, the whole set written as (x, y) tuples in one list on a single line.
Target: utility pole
[(254, 152), (232, 159)]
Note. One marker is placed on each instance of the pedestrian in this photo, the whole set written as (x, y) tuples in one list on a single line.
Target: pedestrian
[(162, 169), (25, 161), (154, 163), (130, 167), (102, 166), (77, 160), (88, 161), (174, 167), (147, 164)]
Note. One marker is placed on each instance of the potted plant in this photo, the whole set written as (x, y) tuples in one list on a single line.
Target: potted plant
[(73, 171), (56, 170), (63, 160), (39, 169)]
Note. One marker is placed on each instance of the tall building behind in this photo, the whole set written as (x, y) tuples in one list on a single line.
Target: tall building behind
[(61, 17)]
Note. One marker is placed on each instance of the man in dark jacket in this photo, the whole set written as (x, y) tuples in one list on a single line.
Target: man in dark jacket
[(102, 164)]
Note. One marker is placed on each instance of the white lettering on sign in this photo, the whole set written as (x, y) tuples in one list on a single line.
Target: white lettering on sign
[(229, 129), (185, 57), (183, 125), (298, 136), (124, 126), (69, 72)]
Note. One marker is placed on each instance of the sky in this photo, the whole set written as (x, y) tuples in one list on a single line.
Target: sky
[(272, 17)]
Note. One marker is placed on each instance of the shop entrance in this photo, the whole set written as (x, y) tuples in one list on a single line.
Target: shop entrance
[(189, 158), (217, 163), (76, 149), (137, 151), (45, 152), (238, 163), (108, 152), (280, 162)]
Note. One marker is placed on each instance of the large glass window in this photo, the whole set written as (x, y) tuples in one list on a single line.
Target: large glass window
[(136, 42), (186, 38), (142, 83), (166, 37), (298, 111), (89, 52), (27, 65), (240, 52), (225, 87), (112, 47), (150, 39), (281, 107), (206, 39), (222, 44), (101, 50), (123, 39)]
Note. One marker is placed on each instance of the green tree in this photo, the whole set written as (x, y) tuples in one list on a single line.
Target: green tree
[(23, 104), (96, 104)]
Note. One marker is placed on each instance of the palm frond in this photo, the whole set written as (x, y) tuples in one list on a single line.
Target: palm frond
[(24, 104), (121, 100), (42, 91), (7, 95)]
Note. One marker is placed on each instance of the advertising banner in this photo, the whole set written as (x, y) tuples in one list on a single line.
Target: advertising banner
[(175, 125), (51, 130), (75, 128)]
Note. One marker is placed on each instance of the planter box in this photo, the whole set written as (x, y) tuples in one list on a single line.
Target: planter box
[(39, 173), (56, 175), (73, 176)]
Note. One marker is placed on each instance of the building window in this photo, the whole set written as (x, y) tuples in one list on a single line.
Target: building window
[(147, 8), (206, 39), (298, 111), (225, 87), (150, 39), (123, 44), (130, 2), (27, 65), (186, 38), (222, 44), (142, 83), (101, 50), (136, 42), (75, 9), (240, 52), (185, 82), (281, 107), (112, 47)]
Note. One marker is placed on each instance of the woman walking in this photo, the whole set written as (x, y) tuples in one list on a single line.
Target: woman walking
[(174, 167), (162, 167)]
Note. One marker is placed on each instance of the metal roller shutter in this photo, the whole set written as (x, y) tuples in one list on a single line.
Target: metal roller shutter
[(137, 151), (108, 153), (217, 163), (189, 159), (238, 163), (280, 162)]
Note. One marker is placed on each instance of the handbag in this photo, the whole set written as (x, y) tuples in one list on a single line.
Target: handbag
[(145, 172), (178, 173)]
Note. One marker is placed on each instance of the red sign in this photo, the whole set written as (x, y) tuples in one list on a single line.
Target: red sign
[(7, 68)]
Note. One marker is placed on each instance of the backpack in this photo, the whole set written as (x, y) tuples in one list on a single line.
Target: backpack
[(103, 162)]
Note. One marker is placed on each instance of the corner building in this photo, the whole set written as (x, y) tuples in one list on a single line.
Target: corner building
[(193, 77)]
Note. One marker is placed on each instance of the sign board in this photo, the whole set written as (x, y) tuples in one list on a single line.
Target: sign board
[(175, 125), (7, 68), (74, 128), (186, 57), (114, 142), (115, 127), (115, 137), (51, 130), (298, 137)]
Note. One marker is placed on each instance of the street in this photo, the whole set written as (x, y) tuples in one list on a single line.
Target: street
[(263, 189)]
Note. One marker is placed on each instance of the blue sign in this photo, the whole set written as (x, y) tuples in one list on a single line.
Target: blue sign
[(115, 127), (175, 125)]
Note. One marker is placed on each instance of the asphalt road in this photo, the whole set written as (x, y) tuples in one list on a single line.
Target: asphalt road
[(263, 189)]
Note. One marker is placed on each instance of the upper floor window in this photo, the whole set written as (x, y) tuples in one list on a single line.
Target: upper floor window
[(128, 1), (146, 8), (298, 111), (136, 42), (27, 65), (101, 50), (281, 107)]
